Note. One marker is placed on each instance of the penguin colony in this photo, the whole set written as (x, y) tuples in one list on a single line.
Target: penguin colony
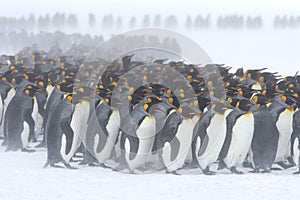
[(246, 119)]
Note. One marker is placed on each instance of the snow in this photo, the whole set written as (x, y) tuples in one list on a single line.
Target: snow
[(22, 177)]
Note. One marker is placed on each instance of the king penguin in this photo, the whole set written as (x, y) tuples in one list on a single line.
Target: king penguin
[(240, 128), (210, 133)]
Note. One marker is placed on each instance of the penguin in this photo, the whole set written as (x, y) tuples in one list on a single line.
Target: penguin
[(102, 132), (283, 111), (296, 143), (175, 140), (137, 135), (239, 134), (265, 137), (59, 137), (210, 133), (18, 119)]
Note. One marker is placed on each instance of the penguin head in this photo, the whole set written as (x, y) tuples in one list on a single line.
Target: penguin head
[(126, 60), (31, 90), (259, 100), (244, 105), (232, 101)]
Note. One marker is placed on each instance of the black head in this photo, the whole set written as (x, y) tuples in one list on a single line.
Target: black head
[(244, 105), (31, 90)]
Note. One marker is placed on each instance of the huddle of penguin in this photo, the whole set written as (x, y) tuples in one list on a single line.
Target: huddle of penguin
[(135, 123)]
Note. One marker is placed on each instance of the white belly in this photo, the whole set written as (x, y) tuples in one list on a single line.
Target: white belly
[(113, 130), (184, 136), (145, 134), (296, 152), (242, 134), (216, 133), (25, 134), (34, 115), (79, 125), (284, 125), (11, 93)]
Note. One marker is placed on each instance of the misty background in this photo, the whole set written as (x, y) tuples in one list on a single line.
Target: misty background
[(249, 34)]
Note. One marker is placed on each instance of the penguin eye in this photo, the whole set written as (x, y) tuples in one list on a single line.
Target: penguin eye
[(283, 98), (149, 100), (146, 107)]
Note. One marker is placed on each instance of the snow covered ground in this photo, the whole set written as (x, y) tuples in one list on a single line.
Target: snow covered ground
[(23, 178)]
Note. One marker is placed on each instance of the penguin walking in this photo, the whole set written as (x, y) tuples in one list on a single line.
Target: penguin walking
[(210, 133), (239, 134), (19, 124), (265, 137), (138, 135)]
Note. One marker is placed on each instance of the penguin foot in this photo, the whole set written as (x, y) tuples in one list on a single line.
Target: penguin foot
[(4, 143), (256, 170), (192, 165), (276, 169), (56, 166), (41, 145), (28, 150), (247, 164), (173, 172), (284, 165), (206, 171), (235, 171), (69, 166), (298, 172), (266, 171), (221, 165)]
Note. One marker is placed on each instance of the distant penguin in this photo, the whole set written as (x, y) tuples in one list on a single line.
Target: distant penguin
[(175, 140), (138, 134), (283, 111), (210, 133), (265, 138), (239, 134), (19, 123), (60, 135)]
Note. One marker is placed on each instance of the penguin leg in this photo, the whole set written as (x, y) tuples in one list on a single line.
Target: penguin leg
[(298, 172), (67, 165), (256, 170), (235, 171), (56, 166), (222, 165), (291, 161), (173, 172), (283, 165), (207, 171), (247, 164), (27, 150)]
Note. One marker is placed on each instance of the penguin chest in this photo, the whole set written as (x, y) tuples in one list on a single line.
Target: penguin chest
[(112, 128), (182, 148), (78, 125), (145, 134), (25, 134), (241, 138), (285, 128), (49, 90), (216, 133)]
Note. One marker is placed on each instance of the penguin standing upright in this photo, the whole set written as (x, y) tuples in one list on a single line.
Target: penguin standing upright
[(265, 137), (59, 137), (210, 133), (18, 119), (240, 128), (282, 110), (174, 140), (296, 144), (138, 137)]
